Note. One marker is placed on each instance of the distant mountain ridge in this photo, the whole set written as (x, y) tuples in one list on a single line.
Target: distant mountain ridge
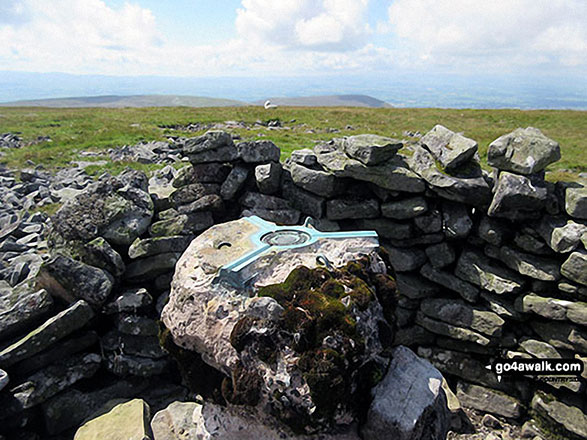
[(116, 101)]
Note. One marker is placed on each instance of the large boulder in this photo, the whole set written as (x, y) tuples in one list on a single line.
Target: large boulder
[(409, 403), (371, 149), (282, 343), (116, 208), (449, 148), (523, 151), (518, 197), (213, 146)]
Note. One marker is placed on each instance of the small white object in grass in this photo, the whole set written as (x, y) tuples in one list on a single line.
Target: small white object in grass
[(268, 105)]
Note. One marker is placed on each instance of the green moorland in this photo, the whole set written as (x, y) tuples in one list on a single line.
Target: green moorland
[(97, 129)]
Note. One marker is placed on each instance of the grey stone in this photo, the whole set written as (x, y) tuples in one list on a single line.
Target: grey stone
[(183, 224), (280, 216), (149, 268), (413, 336), (456, 221), (144, 346), (465, 184), (99, 253), (175, 422), (404, 209), (475, 268), (191, 193), (539, 268), (461, 365), (52, 330), (213, 146), (339, 209), (130, 301), (268, 177), (571, 419), (53, 379), (387, 229), (415, 287), (371, 149), (214, 172), (22, 307), (405, 260), (523, 151), (553, 308), (409, 403), (71, 280), (501, 306), (234, 182), (460, 314), (263, 201), (575, 267), (561, 335), (211, 202), (448, 280), (529, 242), (429, 223), (517, 197), (449, 148), (576, 202), (153, 246), (304, 157), (317, 182), (305, 201), (394, 175), (488, 400), (493, 231), (136, 325), (561, 234), (124, 365), (258, 152), (440, 255), (452, 331), (110, 209)]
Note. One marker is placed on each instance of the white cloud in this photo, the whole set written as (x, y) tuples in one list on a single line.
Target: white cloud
[(323, 25), (518, 32)]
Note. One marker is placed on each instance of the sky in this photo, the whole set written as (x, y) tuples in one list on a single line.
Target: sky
[(203, 38)]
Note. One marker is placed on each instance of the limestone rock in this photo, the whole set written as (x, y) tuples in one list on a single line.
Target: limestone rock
[(394, 175), (452, 331), (553, 308), (191, 193), (339, 209), (258, 152), (234, 182), (71, 280), (175, 422), (570, 419), (129, 301), (560, 234), (448, 280), (318, 182), (409, 403), (576, 202), (562, 335), (183, 224), (124, 365), (575, 267), (110, 209), (517, 197), (159, 245), (523, 151), (404, 209), (488, 400), (124, 421), (268, 177), (214, 172), (371, 149), (99, 253), (210, 202), (464, 184), (304, 156), (449, 148), (461, 314), (213, 146), (21, 307), (54, 329), (481, 271)]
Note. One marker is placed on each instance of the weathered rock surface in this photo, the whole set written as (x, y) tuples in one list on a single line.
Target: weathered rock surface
[(268, 177), (214, 172), (449, 148), (409, 403), (54, 329), (153, 246), (517, 197), (214, 146), (553, 308), (258, 152), (576, 202), (575, 267), (523, 151), (446, 279), (338, 209), (317, 182), (71, 280), (570, 419), (22, 307), (560, 234), (110, 208), (404, 209), (371, 149), (488, 400), (234, 182), (123, 421)]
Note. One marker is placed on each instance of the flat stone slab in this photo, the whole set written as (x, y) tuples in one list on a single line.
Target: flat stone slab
[(449, 148)]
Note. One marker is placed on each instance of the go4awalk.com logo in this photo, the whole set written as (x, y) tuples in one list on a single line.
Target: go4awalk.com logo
[(537, 367)]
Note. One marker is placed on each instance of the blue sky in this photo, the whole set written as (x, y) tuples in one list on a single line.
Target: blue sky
[(193, 38)]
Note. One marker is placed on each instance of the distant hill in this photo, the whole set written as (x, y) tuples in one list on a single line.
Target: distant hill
[(331, 101), (114, 101)]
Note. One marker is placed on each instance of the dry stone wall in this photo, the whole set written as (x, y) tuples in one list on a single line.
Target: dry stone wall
[(487, 265)]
